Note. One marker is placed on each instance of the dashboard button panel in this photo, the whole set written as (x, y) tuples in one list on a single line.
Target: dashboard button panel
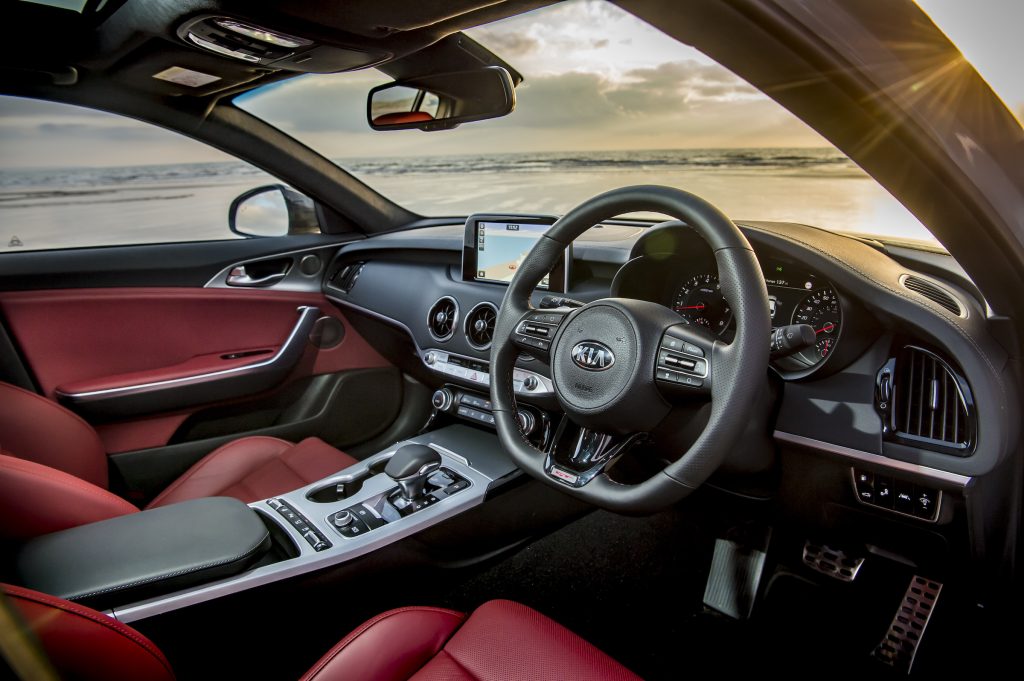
[(681, 362), (477, 372), (897, 496)]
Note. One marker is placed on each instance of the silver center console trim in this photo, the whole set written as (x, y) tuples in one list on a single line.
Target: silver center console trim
[(849, 454), (342, 549), (438, 360)]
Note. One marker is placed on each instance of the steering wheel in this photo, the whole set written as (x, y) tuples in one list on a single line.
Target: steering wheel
[(618, 364)]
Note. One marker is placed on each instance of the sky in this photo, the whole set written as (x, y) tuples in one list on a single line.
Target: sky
[(596, 78)]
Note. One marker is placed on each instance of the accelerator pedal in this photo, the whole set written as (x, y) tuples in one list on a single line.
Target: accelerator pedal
[(899, 646), (736, 569)]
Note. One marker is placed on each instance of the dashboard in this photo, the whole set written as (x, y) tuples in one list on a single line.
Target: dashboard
[(904, 371), (890, 426)]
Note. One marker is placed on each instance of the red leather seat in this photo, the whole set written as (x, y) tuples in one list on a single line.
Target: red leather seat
[(499, 641), (53, 469)]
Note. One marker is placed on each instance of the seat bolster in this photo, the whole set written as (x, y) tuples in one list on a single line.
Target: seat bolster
[(508, 640), (254, 468), (390, 647), (36, 499), (85, 645), (40, 430), (221, 468)]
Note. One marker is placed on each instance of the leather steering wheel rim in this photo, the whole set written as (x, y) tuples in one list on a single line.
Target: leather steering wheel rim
[(739, 368)]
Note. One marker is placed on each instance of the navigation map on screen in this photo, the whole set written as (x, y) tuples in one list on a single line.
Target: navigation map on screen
[(501, 248)]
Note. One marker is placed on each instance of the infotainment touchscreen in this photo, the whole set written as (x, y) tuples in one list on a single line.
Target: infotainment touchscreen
[(501, 248), (496, 246)]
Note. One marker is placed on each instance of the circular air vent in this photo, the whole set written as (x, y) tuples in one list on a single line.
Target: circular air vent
[(441, 319), (480, 325)]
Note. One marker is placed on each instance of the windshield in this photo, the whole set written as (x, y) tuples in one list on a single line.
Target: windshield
[(607, 101)]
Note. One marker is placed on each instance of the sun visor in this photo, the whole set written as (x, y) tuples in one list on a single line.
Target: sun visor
[(161, 67)]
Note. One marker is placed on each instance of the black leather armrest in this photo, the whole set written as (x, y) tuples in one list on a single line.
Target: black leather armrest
[(141, 555)]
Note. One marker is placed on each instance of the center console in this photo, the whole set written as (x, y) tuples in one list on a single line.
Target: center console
[(163, 559)]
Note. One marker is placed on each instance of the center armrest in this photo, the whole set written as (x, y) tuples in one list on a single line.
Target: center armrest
[(146, 554)]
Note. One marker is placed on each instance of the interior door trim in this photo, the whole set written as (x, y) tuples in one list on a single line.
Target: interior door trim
[(174, 393)]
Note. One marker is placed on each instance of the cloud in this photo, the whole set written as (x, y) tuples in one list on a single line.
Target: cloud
[(670, 89), (332, 103), (672, 104), (576, 100), (508, 46), (22, 107), (37, 133)]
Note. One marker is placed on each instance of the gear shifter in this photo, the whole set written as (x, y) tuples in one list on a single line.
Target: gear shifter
[(410, 466)]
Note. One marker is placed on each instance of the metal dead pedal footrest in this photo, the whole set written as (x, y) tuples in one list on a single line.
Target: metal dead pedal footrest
[(734, 578), (899, 646), (832, 562)]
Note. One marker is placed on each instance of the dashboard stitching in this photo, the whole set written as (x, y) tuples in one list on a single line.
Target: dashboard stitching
[(870, 280)]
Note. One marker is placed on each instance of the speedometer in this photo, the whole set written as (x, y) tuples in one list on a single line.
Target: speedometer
[(821, 310), (699, 301)]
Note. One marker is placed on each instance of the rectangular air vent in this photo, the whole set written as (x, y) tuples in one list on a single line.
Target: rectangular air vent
[(932, 292), (930, 402)]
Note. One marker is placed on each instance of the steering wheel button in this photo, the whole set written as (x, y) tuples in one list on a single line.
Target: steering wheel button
[(691, 349), (672, 343)]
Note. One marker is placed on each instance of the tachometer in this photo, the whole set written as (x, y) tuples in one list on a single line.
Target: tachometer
[(821, 310), (699, 301)]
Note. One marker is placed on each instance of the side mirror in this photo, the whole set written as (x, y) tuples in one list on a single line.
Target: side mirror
[(273, 210), (441, 101)]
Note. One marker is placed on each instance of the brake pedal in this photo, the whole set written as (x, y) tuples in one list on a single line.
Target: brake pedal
[(832, 562), (734, 579), (899, 646)]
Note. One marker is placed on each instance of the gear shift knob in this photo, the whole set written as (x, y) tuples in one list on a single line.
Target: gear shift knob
[(410, 466)]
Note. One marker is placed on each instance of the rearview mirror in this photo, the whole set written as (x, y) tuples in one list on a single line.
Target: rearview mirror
[(441, 101), (273, 210)]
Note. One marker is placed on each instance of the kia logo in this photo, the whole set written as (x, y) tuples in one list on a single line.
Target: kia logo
[(592, 356)]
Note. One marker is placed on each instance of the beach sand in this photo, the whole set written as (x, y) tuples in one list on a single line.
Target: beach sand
[(97, 207)]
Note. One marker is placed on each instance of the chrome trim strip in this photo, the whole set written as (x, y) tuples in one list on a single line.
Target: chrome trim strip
[(294, 343), (823, 447)]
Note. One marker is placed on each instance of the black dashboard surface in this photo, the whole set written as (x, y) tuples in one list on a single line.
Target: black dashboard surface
[(854, 292)]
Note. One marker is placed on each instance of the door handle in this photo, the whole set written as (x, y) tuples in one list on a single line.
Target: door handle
[(239, 277)]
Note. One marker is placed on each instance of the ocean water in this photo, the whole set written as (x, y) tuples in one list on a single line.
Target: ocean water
[(74, 207)]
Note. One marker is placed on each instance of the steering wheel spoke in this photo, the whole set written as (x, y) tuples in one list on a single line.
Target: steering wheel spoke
[(683, 367), (536, 329), (590, 455)]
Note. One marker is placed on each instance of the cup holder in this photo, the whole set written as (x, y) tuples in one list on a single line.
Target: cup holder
[(344, 486)]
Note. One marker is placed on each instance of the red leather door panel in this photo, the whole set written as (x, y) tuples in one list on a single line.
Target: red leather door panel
[(85, 337)]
